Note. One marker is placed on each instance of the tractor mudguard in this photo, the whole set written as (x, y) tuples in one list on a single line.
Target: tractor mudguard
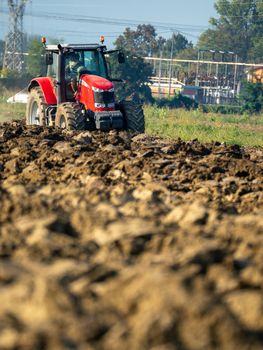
[(47, 88)]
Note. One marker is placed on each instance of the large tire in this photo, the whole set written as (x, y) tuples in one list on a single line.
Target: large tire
[(36, 105), (69, 116), (133, 115)]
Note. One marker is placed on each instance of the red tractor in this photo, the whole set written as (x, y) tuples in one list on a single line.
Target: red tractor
[(78, 94)]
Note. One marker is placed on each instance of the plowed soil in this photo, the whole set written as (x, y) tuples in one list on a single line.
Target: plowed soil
[(118, 241)]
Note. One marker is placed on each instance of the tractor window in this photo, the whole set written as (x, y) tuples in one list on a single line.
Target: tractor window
[(94, 62), (52, 69)]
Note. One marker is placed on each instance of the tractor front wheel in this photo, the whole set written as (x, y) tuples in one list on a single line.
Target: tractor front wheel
[(69, 116), (36, 105), (133, 115)]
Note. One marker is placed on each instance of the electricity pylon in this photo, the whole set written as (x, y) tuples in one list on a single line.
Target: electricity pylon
[(13, 58)]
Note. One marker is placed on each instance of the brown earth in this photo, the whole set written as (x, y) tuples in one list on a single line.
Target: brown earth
[(111, 241)]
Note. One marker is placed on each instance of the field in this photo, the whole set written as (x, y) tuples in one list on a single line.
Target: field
[(244, 130), (9, 111), (114, 241)]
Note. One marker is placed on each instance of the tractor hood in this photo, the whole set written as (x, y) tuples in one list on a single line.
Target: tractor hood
[(96, 81), (96, 93)]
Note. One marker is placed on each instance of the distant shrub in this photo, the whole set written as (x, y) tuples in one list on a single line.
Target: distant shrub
[(13, 79), (222, 109), (252, 97), (177, 101)]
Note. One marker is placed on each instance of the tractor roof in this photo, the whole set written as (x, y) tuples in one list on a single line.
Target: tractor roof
[(75, 47)]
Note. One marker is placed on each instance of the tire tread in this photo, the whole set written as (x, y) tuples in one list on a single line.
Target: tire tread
[(73, 115), (36, 94), (134, 116)]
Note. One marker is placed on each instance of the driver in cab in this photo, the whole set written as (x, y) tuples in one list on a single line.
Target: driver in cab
[(73, 69)]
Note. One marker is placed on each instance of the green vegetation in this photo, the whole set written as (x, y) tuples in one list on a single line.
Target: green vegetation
[(35, 61), (244, 129), (176, 101), (188, 125), (133, 81), (143, 41), (252, 97), (239, 28), (222, 109)]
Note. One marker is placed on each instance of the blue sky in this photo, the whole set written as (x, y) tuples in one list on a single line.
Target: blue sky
[(85, 20)]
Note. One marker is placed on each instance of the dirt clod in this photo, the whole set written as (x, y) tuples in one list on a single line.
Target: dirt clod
[(115, 241)]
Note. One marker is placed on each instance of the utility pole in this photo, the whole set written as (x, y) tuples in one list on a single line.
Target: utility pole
[(235, 74), (171, 66), (13, 58), (160, 73), (197, 70)]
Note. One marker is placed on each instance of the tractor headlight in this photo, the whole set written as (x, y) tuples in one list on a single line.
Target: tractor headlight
[(100, 105), (103, 98), (101, 90), (104, 105), (97, 89)]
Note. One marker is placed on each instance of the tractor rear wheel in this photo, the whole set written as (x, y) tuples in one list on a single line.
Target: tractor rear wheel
[(69, 116), (133, 115), (36, 105)]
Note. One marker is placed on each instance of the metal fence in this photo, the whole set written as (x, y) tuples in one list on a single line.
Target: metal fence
[(219, 82), (219, 96)]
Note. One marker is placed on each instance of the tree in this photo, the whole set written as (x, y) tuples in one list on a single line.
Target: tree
[(256, 51), (141, 42), (239, 28), (176, 43), (136, 74), (188, 54), (35, 60), (252, 97), (144, 42)]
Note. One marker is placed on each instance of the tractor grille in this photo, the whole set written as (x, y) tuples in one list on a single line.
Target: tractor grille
[(104, 97)]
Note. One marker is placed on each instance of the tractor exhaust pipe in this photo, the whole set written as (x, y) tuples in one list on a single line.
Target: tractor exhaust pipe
[(61, 90)]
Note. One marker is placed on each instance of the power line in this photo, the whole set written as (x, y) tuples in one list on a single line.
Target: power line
[(184, 29), (120, 22)]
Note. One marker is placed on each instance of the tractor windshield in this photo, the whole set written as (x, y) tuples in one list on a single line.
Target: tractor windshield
[(89, 62)]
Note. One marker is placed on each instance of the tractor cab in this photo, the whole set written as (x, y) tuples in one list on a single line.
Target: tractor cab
[(66, 63), (90, 59), (77, 92)]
